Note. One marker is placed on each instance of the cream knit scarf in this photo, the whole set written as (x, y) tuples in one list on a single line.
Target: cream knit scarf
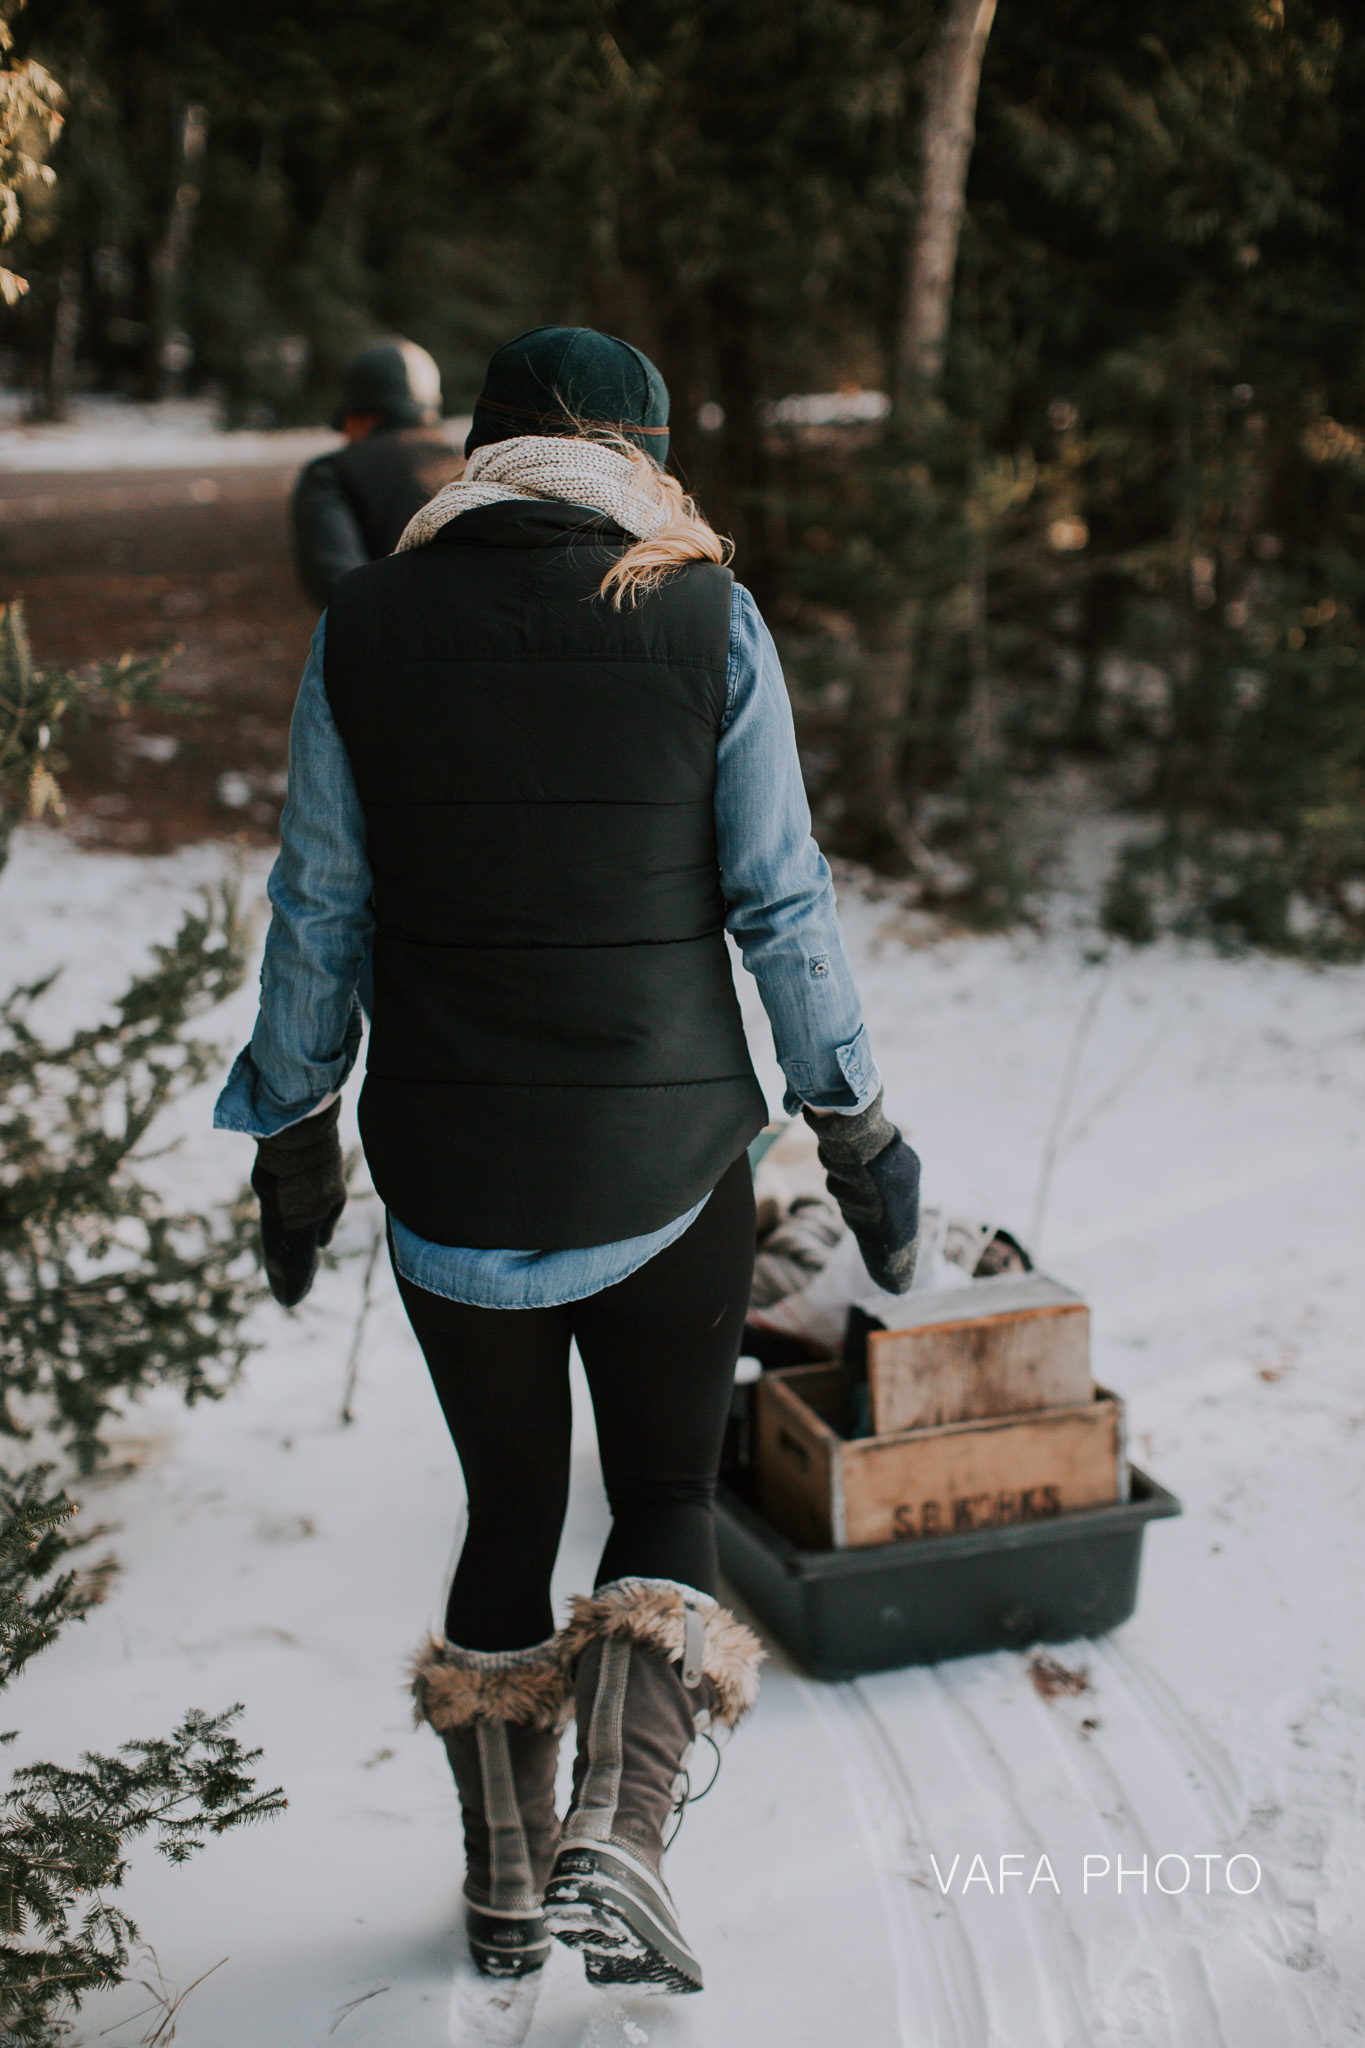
[(572, 472)]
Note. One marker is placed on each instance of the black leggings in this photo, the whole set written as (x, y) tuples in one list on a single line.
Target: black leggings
[(659, 1351)]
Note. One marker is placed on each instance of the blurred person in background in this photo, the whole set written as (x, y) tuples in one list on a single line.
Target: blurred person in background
[(351, 507), (545, 751)]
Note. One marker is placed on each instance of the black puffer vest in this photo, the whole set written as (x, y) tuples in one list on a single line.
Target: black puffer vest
[(556, 1056)]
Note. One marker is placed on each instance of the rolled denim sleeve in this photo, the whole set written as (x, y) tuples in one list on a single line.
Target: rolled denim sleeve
[(308, 1029), (778, 887)]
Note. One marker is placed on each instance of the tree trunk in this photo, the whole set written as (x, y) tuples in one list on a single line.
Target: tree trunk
[(876, 824), (66, 329), (1102, 599), (739, 460), (168, 261), (947, 132)]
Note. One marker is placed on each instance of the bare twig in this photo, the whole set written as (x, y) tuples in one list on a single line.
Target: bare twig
[(165, 2002), (1070, 1075), (348, 2009), (1110, 1095), (366, 1297)]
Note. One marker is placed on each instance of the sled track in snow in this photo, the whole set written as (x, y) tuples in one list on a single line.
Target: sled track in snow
[(936, 1977), (962, 1758), (1072, 1959), (1193, 1751), (967, 1758), (1179, 1790)]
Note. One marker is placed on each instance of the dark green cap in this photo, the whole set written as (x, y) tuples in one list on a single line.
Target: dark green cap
[(560, 380)]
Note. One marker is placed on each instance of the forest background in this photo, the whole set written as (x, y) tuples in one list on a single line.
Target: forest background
[(1108, 535)]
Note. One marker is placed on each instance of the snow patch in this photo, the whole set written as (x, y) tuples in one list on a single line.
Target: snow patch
[(1205, 1194)]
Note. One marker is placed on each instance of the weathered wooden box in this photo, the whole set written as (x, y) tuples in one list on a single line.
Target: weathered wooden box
[(1001, 1347), (824, 1489)]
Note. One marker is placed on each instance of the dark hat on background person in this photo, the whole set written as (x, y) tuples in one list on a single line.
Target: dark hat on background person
[(560, 380), (393, 379)]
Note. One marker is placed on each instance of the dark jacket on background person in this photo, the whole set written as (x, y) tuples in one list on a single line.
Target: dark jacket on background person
[(350, 507)]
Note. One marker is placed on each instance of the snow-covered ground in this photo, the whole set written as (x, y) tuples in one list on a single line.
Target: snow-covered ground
[(174, 433), (1203, 1119)]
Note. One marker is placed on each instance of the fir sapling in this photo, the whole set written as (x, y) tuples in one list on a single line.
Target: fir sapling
[(105, 1291), (38, 706), (64, 1831)]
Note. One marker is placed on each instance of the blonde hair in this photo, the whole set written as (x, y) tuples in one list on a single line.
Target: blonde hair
[(685, 534)]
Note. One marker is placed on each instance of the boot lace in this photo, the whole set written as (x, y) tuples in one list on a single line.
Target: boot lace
[(687, 1797)]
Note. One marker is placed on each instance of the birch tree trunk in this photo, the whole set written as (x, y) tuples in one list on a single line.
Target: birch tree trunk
[(875, 823), (947, 133)]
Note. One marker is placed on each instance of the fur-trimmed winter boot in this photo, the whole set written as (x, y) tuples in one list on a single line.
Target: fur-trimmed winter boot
[(501, 1716), (654, 1664)]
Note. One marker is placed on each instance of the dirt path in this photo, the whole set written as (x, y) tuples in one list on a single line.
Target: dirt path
[(147, 560)]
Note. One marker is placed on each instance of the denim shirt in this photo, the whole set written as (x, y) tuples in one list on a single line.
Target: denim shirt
[(781, 914)]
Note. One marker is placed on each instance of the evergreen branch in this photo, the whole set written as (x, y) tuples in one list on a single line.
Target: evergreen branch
[(104, 1291), (64, 1831), (39, 706)]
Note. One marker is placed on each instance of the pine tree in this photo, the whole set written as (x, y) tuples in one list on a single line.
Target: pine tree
[(30, 119), (64, 1831), (1170, 216), (1162, 212), (104, 1290), (39, 705)]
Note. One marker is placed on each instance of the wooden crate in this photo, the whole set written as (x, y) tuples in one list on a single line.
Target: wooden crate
[(1001, 1347), (827, 1491)]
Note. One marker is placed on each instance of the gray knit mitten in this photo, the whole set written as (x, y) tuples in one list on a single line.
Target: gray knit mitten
[(300, 1181), (874, 1177)]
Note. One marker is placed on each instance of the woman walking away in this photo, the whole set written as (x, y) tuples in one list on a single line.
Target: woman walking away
[(545, 750)]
